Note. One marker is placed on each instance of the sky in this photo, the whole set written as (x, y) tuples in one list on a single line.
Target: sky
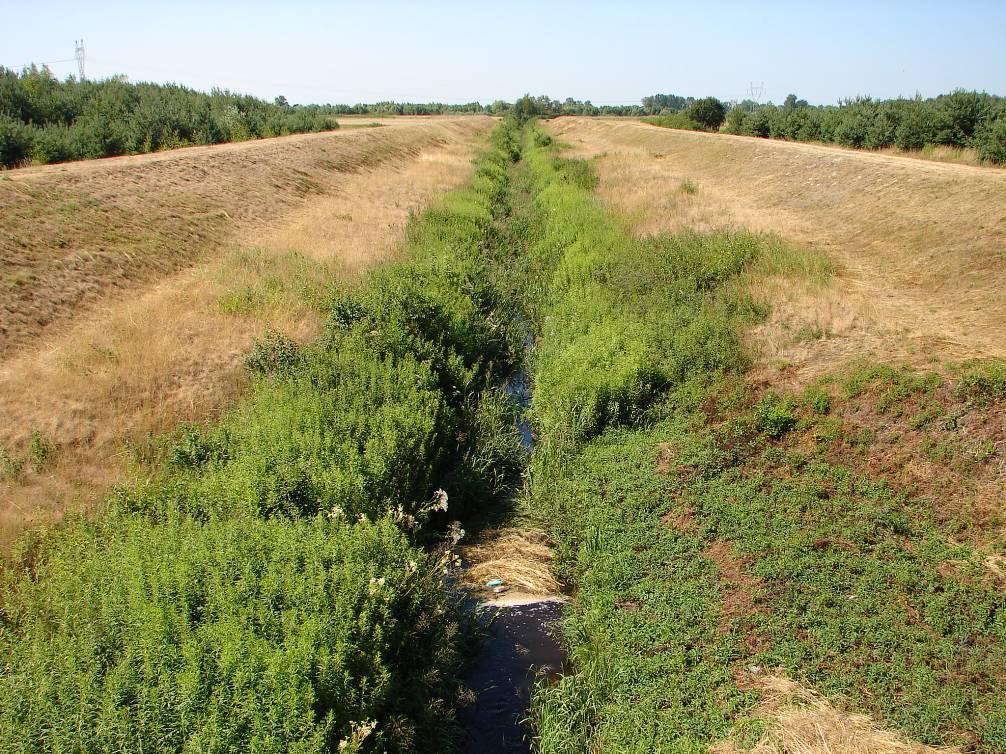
[(607, 52)]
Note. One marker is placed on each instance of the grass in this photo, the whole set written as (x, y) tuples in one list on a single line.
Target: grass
[(714, 532), (262, 587), (927, 288), (170, 352)]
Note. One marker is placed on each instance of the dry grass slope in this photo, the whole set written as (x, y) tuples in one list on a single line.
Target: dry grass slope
[(72, 235), (920, 246), (163, 345)]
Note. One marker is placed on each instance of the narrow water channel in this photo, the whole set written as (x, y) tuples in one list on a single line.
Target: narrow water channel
[(520, 645)]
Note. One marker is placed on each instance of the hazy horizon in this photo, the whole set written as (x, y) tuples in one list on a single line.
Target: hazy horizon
[(460, 52)]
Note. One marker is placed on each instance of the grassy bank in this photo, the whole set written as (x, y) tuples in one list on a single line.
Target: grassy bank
[(723, 542), (739, 559), (263, 588)]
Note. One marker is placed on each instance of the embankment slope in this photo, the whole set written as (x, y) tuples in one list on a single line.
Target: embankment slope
[(920, 247), (132, 287)]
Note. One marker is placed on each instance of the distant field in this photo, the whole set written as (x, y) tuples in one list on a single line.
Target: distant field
[(920, 247), (132, 287)]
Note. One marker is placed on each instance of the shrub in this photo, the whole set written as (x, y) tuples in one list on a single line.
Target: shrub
[(775, 416), (758, 123), (605, 376), (10, 465), (708, 112), (734, 123), (577, 172), (238, 635), (41, 451), (990, 140), (983, 383), (272, 354), (16, 142)]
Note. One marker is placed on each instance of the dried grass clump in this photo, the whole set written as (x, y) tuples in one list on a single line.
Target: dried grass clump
[(801, 721), (996, 565), (522, 558)]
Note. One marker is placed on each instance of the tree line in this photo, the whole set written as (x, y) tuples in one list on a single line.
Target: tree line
[(542, 106), (960, 119), (45, 120)]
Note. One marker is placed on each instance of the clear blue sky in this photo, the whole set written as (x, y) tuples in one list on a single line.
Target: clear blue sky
[(611, 53)]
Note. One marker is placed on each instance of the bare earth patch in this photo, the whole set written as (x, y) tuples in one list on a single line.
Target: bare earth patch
[(920, 246), (167, 348)]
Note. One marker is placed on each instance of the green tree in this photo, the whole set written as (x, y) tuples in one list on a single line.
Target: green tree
[(526, 108), (708, 112)]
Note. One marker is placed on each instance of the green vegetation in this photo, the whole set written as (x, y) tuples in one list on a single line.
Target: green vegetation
[(664, 104), (43, 120), (265, 588), (674, 120), (232, 635), (959, 119), (713, 532), (269, 586), (706, 114)]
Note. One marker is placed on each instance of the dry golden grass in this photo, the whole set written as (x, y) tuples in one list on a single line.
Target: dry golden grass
[(73, 235), (171, 351), (919, 246), (522, 558), (801, 721)]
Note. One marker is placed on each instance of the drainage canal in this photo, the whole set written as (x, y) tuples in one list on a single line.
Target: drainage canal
[(520, 646)]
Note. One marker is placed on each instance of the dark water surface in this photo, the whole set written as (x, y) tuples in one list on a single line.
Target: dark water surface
[(521, 645)]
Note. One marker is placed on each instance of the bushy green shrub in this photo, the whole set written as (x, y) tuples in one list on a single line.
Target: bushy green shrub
[(54, 121), (16, 141), (605, 376), (708, 112), (990, 140), (234, 635), (272, 354), (775, 416), (983, 383)]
